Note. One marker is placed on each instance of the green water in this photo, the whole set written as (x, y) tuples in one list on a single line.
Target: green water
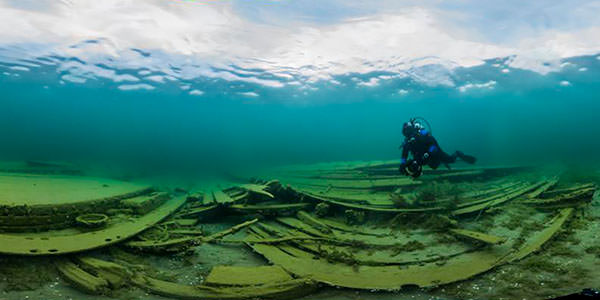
[(526, 118), (186, 95)]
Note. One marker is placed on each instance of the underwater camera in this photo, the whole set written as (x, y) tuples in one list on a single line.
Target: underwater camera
[(414, 169)]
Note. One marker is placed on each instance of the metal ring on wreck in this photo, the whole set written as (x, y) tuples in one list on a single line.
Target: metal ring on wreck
[(92, 220)]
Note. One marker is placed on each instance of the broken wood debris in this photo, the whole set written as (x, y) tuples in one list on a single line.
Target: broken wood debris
[(304, 247), (178, 244), (584, 193), (48, 244), (479, 236)]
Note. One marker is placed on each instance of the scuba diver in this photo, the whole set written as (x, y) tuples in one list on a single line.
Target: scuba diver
[(425, 150)]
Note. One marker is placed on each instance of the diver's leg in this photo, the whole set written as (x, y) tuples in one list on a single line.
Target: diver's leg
[(439, 158), (447, 159), (466, 158), (434, 163)]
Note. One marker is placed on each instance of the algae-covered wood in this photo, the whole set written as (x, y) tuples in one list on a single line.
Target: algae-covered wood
[(543, 188), (257, 189), (235, 275), (271, 282), (388, 250), (282, 290), (573, 195), (367, 197), (374, 208), (357, 183), (536, 242), (305, 264), (493, 202), (115, 274), (144, 203), (222, 198), (479, 236), (49, 244), (265, 207), (83, 280)]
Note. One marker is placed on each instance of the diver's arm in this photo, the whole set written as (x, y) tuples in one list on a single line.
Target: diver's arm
[(404, 157), (433, 146), (404, 152)]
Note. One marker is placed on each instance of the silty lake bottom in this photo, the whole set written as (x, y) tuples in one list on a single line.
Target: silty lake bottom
[(149, 155)]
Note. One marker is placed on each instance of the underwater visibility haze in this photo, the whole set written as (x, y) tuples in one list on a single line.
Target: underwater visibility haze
[(233, 90)]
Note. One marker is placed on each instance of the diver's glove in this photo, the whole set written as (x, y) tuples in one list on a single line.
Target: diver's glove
[(402, 168)]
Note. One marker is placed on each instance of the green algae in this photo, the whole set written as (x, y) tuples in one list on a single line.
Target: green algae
[(436, 191), (322, 209), (402, 200), (355, 217), (594, 250), (540, 263), (338, 256), (407, 247), (562, 250), (431, 222), (25, 274)]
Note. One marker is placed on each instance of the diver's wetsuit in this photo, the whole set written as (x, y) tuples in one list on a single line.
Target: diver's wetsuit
[(426, 151)]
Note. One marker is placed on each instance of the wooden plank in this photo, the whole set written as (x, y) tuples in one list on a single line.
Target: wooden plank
[(81, 279), (304, 264), (534, 244), (258, 189), (495, 196), (375, 209), (185, 222), (556, 192), (208, 198), (479, 236), (314, 222), (282, 290), (366, 197), (361, 230), (399, 251), (152, 245), (574, 195), (452, 175), (298, 224), (498, 201), (461, 267), (241, 276), (222, 198), (495, 190), (144, 203), (270, 207), (47, 244), (535, 193), (196, 211), (344, 237), (275, 288), (357, 184), (115, 274)]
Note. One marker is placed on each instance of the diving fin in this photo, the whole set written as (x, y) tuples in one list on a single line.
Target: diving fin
[(466, 158)]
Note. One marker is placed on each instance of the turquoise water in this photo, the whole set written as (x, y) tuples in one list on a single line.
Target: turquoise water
[(191, 96), (221, 86), (514, 117)]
